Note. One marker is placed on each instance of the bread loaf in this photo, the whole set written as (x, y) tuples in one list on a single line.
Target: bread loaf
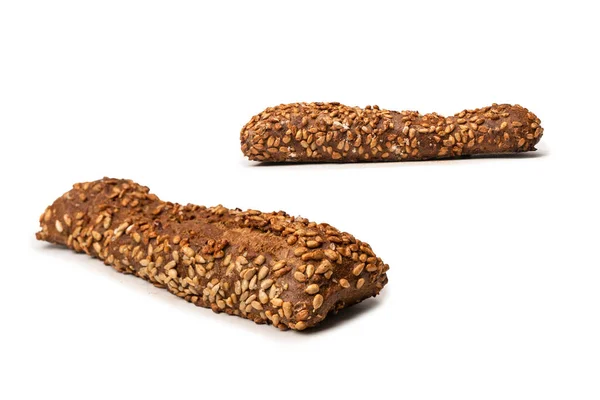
[(268, 267), (332, 132)]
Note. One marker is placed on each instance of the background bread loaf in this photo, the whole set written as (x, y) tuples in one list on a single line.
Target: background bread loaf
[(332, 132)]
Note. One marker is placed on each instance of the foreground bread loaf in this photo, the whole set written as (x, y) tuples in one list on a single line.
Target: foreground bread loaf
[(332, 132), (267, 267)]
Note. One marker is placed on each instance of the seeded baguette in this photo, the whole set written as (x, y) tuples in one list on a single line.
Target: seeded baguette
[(332, 132), (268, 267)]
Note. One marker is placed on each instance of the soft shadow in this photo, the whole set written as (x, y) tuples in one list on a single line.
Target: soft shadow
[(56, 247), (332, 321), (72, 259), (529, 154), (524, 155), (345, 315), (201, 314)]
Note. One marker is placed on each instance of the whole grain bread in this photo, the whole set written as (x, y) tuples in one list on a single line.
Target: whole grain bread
[(268, 267), (332, 132)]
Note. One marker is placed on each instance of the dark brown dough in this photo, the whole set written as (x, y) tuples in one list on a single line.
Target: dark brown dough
[(267, 267), (332, 132)]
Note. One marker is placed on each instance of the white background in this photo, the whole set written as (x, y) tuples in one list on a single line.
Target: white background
[(494, 281)]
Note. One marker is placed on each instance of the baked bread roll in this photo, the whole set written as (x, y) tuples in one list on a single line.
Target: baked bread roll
[(268, 267), (332, 132)]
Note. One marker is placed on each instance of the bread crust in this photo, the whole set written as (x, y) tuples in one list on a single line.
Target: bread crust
[(332, 132), (268, 267)]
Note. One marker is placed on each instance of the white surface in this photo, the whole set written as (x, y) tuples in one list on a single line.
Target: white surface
[(494, 281)]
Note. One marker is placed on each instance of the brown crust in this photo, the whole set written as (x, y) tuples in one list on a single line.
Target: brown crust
[(332, 132), (267, 267)]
